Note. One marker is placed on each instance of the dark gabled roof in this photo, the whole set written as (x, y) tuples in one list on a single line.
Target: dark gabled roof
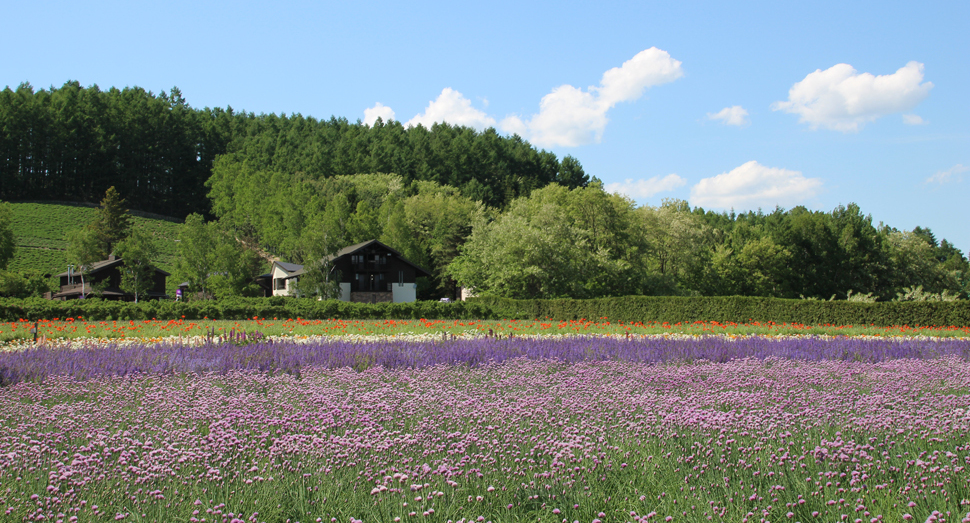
[(97, 267), (347, 251), (288, 267)]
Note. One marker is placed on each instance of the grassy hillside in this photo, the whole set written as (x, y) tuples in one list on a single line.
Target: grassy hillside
[(40, 230)]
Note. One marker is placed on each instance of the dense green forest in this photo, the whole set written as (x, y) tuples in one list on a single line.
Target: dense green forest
[(73, 143), (477, 209)]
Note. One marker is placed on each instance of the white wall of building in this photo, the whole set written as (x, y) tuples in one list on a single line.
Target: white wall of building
[(404, 292), (280, 273)]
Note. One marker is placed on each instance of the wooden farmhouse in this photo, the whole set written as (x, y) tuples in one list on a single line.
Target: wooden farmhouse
[(105, 273), (369, 272)]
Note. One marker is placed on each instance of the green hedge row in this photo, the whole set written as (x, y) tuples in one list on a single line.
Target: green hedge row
[(671, 309), (235, 309), (738, 309)]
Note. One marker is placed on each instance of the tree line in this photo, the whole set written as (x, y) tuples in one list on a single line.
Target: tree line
[(73, 143), (586, 243), (583, 242), (555, 243)]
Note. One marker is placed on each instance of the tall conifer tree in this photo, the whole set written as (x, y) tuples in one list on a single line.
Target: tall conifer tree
[(113, 223)]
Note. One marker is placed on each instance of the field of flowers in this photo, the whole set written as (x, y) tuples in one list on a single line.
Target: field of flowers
[(440, 425), (19, 332)]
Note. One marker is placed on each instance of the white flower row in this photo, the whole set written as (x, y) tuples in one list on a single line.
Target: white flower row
[(84, 343)]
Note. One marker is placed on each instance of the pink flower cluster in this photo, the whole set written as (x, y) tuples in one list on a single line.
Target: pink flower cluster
[(742, 441)]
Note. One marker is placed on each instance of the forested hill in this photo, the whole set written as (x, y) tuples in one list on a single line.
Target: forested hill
[(72, 143)]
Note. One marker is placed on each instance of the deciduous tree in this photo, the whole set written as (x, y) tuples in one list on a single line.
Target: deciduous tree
[(83, 250), (138, 253), (196, 254)]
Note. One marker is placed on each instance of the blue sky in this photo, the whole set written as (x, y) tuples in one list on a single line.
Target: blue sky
[(727, 105)]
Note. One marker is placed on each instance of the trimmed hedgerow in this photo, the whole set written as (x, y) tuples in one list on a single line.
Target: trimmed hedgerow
[(738, 309), (236, 309), (670, 309)]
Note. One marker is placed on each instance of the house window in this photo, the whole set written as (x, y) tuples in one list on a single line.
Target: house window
[(280, 284), (400, 278)]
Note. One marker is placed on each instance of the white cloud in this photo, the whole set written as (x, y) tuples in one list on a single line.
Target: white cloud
[(626, 83), (646, 188), (734, 115), (379, 110), (753, 185), (842, 99), (453, 108), (953, 174), (569, 116), (913, 119)]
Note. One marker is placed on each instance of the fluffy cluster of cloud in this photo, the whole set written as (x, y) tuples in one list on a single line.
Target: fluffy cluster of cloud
[(452, 107), (638, 189), (381, 111), (752, 186), (748, 186), (953, 174), (734, 115), (842, 99), (568, 116)]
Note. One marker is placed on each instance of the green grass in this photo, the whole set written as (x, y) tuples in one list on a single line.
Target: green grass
[(41, 229)]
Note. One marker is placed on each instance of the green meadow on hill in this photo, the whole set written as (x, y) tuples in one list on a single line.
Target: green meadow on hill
[(41, 231)]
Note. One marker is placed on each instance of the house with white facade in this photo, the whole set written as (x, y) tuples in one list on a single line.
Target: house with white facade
[(281, 278), (368, 272)]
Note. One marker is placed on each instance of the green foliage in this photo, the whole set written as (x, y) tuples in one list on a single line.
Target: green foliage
[(138, 252), (41, 231), (737, 309), (865, 298), (236, 308), (73, 143), (579, 243), (918, 294), (438, 218), (915, 264), (24, 284), (83, 250), (113, 224), (214, 263), (631, 309), (7, 245), (318, 279), (196, 254), (571, 173)]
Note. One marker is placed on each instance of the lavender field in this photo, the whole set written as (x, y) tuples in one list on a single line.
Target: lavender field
[(577, 429)]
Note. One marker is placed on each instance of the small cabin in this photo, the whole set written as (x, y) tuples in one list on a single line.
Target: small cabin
[(106, 276)]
